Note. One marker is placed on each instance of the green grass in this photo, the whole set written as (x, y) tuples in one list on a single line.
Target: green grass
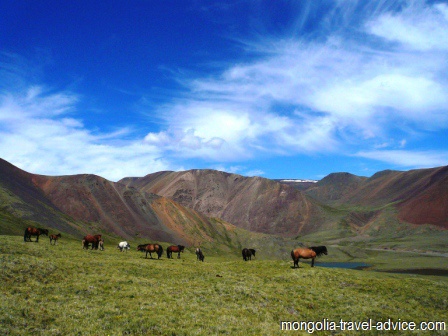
[(64, 290)]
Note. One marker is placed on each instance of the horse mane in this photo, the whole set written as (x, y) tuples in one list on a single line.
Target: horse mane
[(319, 250)]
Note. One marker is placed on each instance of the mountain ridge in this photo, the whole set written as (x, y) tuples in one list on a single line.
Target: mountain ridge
[(195, 206)]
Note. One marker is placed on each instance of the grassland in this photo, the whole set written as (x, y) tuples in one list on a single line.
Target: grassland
[(64, 290)]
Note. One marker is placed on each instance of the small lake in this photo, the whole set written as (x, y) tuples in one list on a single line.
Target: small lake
[(420, 271), (347, 265), (361, 266)]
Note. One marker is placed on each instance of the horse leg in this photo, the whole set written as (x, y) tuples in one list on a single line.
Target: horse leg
[(312, 262), (178, 255)]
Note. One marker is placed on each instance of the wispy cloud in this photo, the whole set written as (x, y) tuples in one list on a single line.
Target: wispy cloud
[(348, 89), (38, 134), (408, 159), (367, 80)]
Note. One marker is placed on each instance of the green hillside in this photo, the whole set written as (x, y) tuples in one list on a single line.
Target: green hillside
[(64, 290)]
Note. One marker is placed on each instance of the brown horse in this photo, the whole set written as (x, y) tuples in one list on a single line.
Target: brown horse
[(151, 248), (248, 253), (55, 238), (307, 253), (32, 231), (199, 255), (176, 249), (94, 240)]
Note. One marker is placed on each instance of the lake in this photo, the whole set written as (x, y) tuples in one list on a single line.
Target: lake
[(420, 271), (348, 265)]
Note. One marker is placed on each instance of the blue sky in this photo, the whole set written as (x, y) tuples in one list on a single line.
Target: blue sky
[(279, 89)]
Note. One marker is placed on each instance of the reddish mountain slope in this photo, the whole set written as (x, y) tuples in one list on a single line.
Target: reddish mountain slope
[(420, 196), (335, 186), (82, 204), (20, 198), (255, 204)]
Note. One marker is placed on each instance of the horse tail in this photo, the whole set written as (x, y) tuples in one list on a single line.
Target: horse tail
[(25, 235), (292, 255), (160, 252)]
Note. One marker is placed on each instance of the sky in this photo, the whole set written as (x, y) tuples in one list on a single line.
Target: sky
[(278, 89)]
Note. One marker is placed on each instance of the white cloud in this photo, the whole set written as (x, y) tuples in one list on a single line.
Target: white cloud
[(347, 87), (36, 135), (402, 158), (418, 26)]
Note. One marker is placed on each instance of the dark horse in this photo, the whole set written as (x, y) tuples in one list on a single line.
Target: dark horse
[(55, 238), (199, 255), (248, 253), (176, 249), (151, 248), (32, 231), (95, 240), (307, 253)]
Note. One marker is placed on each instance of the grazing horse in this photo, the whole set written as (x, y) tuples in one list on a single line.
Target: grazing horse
[(248, 253), (199, 255), (151, 248), (307, 253), (32, 231), (55, 238), (174, 248), (124, 245), (94, 240)]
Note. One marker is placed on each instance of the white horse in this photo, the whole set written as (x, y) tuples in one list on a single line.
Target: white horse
[(123, 246)]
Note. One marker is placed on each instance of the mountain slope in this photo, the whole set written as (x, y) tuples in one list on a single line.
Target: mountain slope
[(82, 204), (253, 203), (420, 196)]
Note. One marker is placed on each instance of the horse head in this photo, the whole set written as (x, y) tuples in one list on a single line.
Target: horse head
[(319, 250), (43, 232)]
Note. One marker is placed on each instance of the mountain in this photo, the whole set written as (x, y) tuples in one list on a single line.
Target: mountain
[(252, 203), (218, 208), (419, 196), (81, 204), (335, 186)]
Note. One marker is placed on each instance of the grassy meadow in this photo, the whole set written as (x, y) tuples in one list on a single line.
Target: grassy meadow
[(64, 290)]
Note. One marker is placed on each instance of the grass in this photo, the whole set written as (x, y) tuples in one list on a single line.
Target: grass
[(64, 290)]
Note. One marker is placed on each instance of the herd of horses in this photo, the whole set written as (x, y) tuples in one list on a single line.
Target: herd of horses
[(96, 242)]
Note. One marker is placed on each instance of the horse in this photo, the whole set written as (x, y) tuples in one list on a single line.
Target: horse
[(32, 231), (199, 255), (124, 245), (55, 238), (307, 253), (151, 248), (94, 240), (248, 253), (174, 248)]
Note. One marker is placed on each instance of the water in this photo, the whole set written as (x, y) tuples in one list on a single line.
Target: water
[(361, 266), (421, 271), (348, 265)]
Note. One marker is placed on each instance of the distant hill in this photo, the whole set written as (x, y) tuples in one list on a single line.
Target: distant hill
[(207, 206), (253, 203), (420, 196), (81, 204), (335, 186)]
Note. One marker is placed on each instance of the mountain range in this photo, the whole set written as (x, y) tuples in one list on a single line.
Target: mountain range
[(205, 206)]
